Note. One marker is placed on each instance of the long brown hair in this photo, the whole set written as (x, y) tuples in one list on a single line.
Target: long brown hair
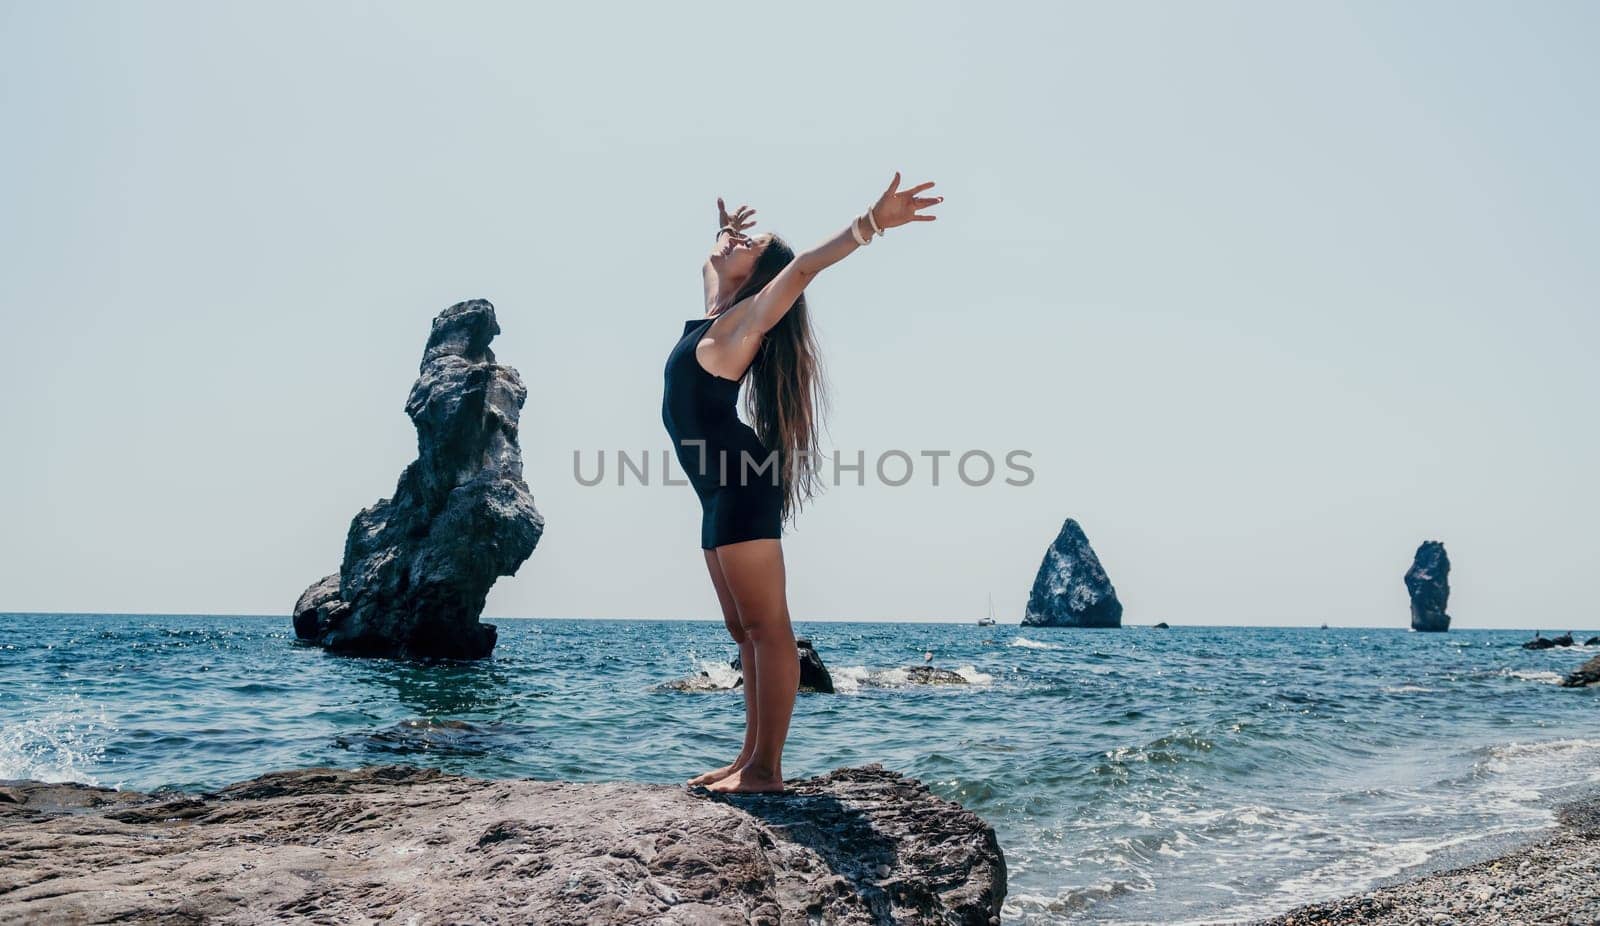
[(787, 397)]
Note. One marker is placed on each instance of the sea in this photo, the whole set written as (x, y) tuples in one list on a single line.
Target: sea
[(1196, 774)]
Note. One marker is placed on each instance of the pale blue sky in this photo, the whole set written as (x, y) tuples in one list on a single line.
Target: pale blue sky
[(1271, 292)]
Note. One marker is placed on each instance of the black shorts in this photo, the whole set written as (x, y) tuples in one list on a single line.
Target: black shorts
[(735, 513)]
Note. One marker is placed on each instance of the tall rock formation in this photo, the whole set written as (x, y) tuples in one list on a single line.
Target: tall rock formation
[(1071, 588), (418, 567), (1428, 581)]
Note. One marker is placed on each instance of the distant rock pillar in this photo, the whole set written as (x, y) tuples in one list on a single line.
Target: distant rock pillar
[(1428, 582), (1071, 589)]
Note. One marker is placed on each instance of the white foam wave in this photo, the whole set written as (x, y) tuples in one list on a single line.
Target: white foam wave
[(1549, 678), (973, 676), (1552, 763), (1032, 644), (718, 671), (57, 744)]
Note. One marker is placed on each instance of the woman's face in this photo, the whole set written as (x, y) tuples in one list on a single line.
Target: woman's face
[(735, 257)]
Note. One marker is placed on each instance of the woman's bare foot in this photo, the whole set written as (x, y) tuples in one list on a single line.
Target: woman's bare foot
[(716, 774), (747, 780)]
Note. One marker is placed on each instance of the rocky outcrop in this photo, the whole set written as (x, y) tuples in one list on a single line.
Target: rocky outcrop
[(813, 674), (1592, 641), (701, 682), (931, 675), (1428, 582), (1542, 642), (1071, 588), (1586, 675), (401, 844), (418, 566)]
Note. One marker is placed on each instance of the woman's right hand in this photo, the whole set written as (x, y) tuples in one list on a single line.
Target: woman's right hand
[(897, 207)]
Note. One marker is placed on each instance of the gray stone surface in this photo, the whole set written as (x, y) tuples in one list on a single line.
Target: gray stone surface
[(1428, 583), (1071, 588), (397, 844), (418, 566)]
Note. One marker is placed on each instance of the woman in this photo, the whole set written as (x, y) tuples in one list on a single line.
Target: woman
[(750, 480)]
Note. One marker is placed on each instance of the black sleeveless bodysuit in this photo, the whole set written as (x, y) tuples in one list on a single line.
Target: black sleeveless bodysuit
[(736, 477)]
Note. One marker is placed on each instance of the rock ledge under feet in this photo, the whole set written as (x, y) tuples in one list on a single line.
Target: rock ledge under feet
[(857, 845)]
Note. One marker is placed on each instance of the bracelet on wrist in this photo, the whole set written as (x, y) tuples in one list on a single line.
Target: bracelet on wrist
[(874, 220), (855, 233)]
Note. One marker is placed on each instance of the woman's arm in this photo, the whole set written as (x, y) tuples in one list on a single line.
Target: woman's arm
[(734, 225), (894, 208)]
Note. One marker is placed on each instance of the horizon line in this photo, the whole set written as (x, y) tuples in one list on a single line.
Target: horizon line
[(718, 620)]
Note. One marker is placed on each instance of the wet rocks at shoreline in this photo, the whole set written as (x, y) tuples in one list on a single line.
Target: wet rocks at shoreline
[(1555, 879), (1071, 588), (855, 846), (418, 566), (1428, 584)]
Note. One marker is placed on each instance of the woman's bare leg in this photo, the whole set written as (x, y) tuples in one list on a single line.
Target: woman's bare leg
[(754, 573), (747, 659)]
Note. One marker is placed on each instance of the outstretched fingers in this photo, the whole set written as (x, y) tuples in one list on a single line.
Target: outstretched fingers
[(923, 202), (740, 219)]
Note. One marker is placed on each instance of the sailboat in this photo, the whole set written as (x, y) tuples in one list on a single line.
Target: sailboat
[(988, 621)]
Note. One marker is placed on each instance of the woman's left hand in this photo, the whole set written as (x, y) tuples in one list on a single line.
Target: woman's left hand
[(899, 207), (739, 221)]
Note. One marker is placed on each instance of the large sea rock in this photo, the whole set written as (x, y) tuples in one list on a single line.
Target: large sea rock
[(418, 566), (1428, 582), (1071, 588), (397, 844)]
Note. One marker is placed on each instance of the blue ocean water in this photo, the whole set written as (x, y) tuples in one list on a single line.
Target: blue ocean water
[(1198, 774)]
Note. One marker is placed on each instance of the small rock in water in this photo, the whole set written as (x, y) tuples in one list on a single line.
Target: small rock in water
[(813, 674), (701, 682), (1586, 675)]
